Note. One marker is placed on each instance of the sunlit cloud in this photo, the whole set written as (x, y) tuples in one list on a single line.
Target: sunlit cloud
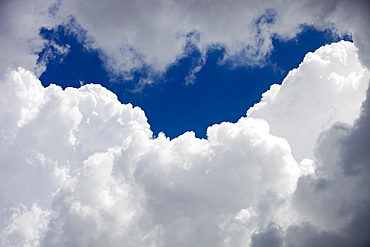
[(79, 168)]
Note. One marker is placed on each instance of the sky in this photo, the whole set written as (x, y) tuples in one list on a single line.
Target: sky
[(221, 92), (184, 123)]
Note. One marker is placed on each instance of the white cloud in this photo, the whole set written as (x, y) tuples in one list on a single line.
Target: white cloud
[(328, 86), (128, 187), (46, 134), (86, 168), (79, 168), (26, 227)]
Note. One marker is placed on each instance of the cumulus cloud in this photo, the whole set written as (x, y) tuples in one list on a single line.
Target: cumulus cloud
[(333, 202), (328, 86), (80, 168), (96, 170)]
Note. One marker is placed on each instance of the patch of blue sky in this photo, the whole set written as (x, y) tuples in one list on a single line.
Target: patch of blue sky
[(220, 92)]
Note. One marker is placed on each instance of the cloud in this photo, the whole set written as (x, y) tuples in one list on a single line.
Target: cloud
[(134, 34), (332, 203), (131, 35), (46, 136), (26, 226), (328, 86), (19, 28), (96, 169), (335, 200), (80, 168)]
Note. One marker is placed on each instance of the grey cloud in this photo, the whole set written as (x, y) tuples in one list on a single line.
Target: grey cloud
[(133, 34), (124, 31), (355, 153), (20, 22), (272, 237), (339, 193)]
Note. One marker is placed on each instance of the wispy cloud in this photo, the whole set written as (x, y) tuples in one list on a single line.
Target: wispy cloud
[(132, 34)]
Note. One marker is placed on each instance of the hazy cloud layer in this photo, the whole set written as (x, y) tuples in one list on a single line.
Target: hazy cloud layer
[(80, 168)]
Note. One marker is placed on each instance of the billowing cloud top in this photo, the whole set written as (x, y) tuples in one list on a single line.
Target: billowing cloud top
[(78, 168)]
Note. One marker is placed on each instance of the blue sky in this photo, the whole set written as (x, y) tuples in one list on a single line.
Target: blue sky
[(264, 106), (221, 92)]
